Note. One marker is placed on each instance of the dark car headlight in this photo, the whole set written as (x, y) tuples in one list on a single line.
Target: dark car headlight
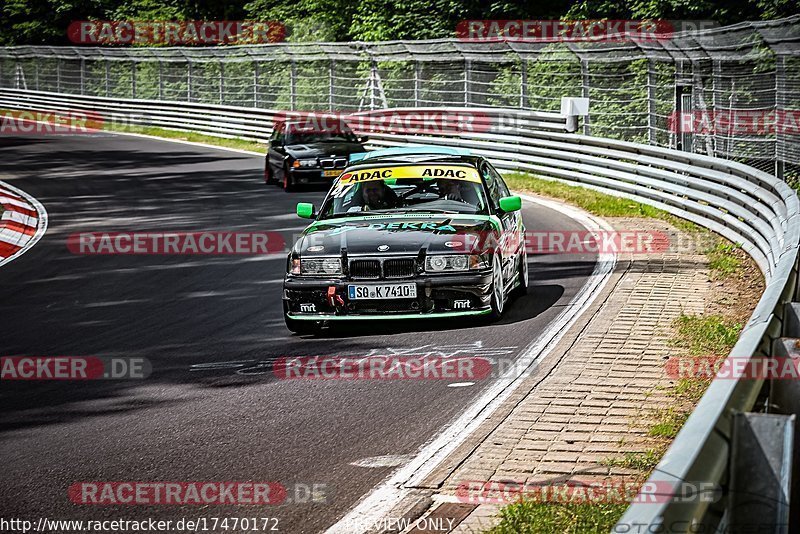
[(317, 266), (455, 262), (304, 163)]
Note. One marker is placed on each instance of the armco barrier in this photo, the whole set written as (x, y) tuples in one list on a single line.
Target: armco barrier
[(739, 202)]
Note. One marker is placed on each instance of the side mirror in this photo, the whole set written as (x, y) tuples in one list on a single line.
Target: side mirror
[(305, 210), (509, 204), (363, 139)]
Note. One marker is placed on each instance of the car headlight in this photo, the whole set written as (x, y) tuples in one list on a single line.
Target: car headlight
[(455, 262), (304, 163), (329, 266)]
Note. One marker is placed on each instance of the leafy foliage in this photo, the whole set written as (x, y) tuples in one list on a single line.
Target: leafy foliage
[(46, 21)]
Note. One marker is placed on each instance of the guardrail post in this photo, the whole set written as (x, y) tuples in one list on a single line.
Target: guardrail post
[(761, 472)]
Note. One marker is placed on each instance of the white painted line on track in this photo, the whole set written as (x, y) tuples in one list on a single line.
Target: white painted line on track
[(383, 499)]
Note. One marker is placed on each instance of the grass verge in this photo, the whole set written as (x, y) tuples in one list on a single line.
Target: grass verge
[(594, 202), (721, 259), (235, 142), (528, 517)]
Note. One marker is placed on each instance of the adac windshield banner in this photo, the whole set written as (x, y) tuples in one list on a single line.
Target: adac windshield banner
[(453, 172)]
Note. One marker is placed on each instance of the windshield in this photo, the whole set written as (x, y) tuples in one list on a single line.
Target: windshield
[(407, 189), (298, 137)]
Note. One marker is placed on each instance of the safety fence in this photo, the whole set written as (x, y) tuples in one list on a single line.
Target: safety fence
[(731, 92), (739, 202)]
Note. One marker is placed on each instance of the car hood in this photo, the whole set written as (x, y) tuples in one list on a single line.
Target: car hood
[(315, 150), (402, 235)]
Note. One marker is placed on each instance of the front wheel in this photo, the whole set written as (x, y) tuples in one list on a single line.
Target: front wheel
[(269, 178), (498, 290), (522, 275), (288, 183)]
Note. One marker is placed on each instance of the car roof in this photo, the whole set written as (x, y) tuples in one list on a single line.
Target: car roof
[(415, 159), (409, 150)]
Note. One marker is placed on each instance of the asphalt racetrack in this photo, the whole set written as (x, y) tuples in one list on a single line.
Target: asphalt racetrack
[(211, 326)]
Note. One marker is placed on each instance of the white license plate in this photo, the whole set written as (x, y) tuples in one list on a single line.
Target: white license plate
[(382, 291), (332, 174)]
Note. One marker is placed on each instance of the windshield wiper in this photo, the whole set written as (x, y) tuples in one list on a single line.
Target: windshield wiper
[(430, 210)]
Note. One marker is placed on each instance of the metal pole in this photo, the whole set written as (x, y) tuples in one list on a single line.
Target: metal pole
[(36, 73), (83, 76), (467, 72), (331, 72), (133, 79), (714, 74), (108, 78), (58, 75), (293, 87), (160, 81), (221, 82), (585, 93), (417, 81), (255, 84), (651, 103), (189, 69), (523, 83), (780, 105)]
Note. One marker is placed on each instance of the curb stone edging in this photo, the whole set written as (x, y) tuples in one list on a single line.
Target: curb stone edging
[(22, 223)]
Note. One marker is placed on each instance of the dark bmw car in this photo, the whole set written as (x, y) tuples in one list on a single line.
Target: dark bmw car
[(298, 157), (407, 233)]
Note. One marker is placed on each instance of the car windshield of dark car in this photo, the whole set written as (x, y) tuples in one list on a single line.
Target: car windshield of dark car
[(307, 138), (405, 195)]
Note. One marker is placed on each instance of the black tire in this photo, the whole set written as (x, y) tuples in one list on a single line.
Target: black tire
[(269, 178), (522, 275), (288, 184), (497, 302)]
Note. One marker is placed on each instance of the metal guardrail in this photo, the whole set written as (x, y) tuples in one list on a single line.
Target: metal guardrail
[(741, 203)]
